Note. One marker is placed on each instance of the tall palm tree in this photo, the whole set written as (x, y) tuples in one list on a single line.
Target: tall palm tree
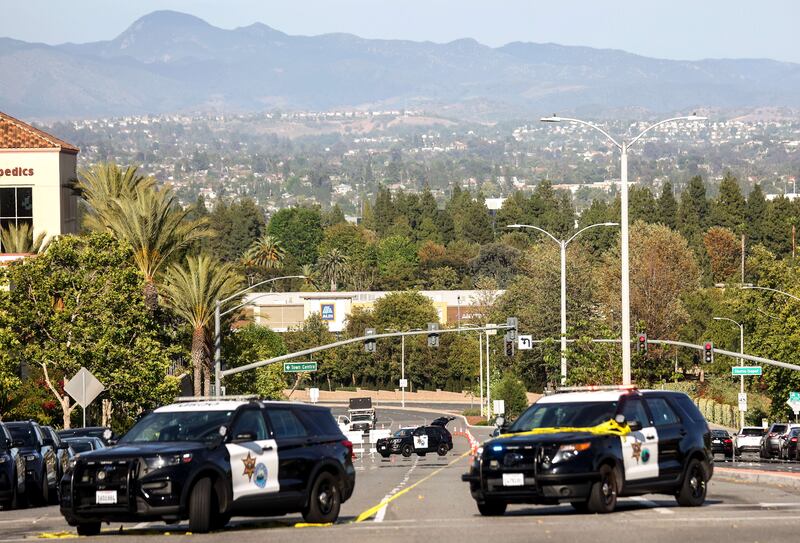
[(19, 239), (265, 252), (310, 281), (191, 291), (333, 267), (156, 227), (101, 184)]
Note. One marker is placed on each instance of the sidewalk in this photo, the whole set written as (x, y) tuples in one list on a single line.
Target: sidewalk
[(787, 480)]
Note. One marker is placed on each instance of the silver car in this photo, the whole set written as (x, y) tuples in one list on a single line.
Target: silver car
[(771, 441)]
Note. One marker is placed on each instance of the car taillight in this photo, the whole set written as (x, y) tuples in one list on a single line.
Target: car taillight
[(728, 441), (349, 445), (772, 434), (794, 440)]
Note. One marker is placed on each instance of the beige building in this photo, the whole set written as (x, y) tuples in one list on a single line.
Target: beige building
[(35, 174), (283, 311)]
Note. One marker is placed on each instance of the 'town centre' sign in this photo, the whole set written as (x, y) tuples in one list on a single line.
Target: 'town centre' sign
[(298, 367)]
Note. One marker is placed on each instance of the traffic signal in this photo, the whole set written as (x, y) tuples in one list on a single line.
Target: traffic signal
[(641, 344), (433, 338), (708, 352), (511, 334), (509, 347), (369, 344)]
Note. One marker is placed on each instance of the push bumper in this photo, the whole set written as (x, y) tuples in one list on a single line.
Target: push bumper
[(543, 488)]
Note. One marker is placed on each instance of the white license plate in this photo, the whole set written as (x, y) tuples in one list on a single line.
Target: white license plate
[(513, 479), (716, 441), (105, 497)]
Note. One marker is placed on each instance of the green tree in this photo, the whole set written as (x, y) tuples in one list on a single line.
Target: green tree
[(79, 304), (266, 253), (155, 226), (191, 291), (642, 205), (667, 207), (512, 391), (693, 210), (397, 262), (102, 184), (299, 230), (724, 251), (249, 344), (333, 267), (756, 215), (19, 239), (728, 210), (236, 226)]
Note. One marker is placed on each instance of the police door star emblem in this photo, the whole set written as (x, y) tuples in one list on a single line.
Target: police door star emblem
[(249, 467), (637, 450)]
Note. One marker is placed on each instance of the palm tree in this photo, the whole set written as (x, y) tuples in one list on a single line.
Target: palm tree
[(191, 291), (265, 252), (310, 281), (156, 228), (333, 267), (101, 184), (19, 239)]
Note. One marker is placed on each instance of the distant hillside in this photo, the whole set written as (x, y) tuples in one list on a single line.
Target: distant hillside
[(169, 61)]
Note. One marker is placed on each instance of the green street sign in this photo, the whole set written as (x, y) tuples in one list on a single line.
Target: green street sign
[(794, 396), (298, 367), (746, 370)]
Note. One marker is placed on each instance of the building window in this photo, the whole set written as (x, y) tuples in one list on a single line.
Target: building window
[(16, 206)]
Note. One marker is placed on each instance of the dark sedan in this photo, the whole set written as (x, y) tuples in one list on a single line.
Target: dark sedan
[(722, 443)]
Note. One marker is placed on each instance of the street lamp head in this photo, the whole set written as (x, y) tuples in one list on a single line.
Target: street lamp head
[(610, 224), (696, 117), (554, 119), (513, 226)]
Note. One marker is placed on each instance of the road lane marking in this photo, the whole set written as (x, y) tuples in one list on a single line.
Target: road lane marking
[(653, 505), (382, 511), (373, 510)]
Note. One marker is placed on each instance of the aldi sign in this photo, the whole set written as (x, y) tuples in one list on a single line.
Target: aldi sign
[(327, 312)]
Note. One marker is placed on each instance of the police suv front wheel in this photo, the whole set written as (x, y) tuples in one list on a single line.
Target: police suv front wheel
[(324, 501), (88, 528), (692, 492), (603, 495), (200, 506)]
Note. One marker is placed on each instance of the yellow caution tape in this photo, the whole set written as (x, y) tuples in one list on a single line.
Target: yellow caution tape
[(610, 427), (312, 524), (57, 535)]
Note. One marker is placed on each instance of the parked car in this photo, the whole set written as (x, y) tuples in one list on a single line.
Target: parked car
[(41, 462), (12, 471), (789, 444), (63, 453), (749, 439), (84, 444), (722, 443), (771, 441), (588, 448), (421, 440), (102, 432), (206, 461)]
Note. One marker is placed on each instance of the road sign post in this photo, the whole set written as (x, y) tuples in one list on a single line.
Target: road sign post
[(313, 395), (743, 401), (299, 367), (746, 370), (84, 388)]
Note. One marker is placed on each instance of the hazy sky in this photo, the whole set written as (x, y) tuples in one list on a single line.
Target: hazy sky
[(676, 29)]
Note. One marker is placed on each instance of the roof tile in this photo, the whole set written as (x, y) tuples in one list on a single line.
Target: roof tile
[(15, 134)]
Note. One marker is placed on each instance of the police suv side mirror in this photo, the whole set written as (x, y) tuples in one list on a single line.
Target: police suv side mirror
[(500, 422), (8, 443), (634, 425)]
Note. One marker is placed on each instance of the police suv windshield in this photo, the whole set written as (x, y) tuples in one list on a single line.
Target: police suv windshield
[(402, 433), (562, 415), (178, 426)]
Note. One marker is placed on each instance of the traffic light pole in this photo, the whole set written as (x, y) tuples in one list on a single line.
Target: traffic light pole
[(341, 343)]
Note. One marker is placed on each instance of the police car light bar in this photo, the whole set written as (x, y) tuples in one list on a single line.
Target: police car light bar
[(234, 398), (595, 388)]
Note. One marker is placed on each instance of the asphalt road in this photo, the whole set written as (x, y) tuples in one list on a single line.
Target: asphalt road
[(432, 504)]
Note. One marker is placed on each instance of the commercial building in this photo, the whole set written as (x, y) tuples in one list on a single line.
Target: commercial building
[(36, 170), (283, 311)]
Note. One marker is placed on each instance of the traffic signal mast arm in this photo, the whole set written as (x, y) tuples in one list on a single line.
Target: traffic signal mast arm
[(343, 342)]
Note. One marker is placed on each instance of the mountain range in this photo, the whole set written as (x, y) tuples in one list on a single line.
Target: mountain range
[(173, 62)]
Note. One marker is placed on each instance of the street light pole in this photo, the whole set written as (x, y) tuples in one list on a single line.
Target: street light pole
[(741, 360), (403, 370), (488, 383), (624, 241), (480, 366), (218, 314), (562, 244)]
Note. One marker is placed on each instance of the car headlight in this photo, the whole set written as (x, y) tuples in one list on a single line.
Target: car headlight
[(479, 452), (154, 463), (567, 452)]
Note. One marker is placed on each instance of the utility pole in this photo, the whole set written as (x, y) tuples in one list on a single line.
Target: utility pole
[(743, 255)]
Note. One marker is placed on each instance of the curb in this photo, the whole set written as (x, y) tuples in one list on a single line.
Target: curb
[(784, 480)]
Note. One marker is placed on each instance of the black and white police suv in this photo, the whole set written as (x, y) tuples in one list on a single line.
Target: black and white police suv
[(206, 461), (421, 440), (588, 448)]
